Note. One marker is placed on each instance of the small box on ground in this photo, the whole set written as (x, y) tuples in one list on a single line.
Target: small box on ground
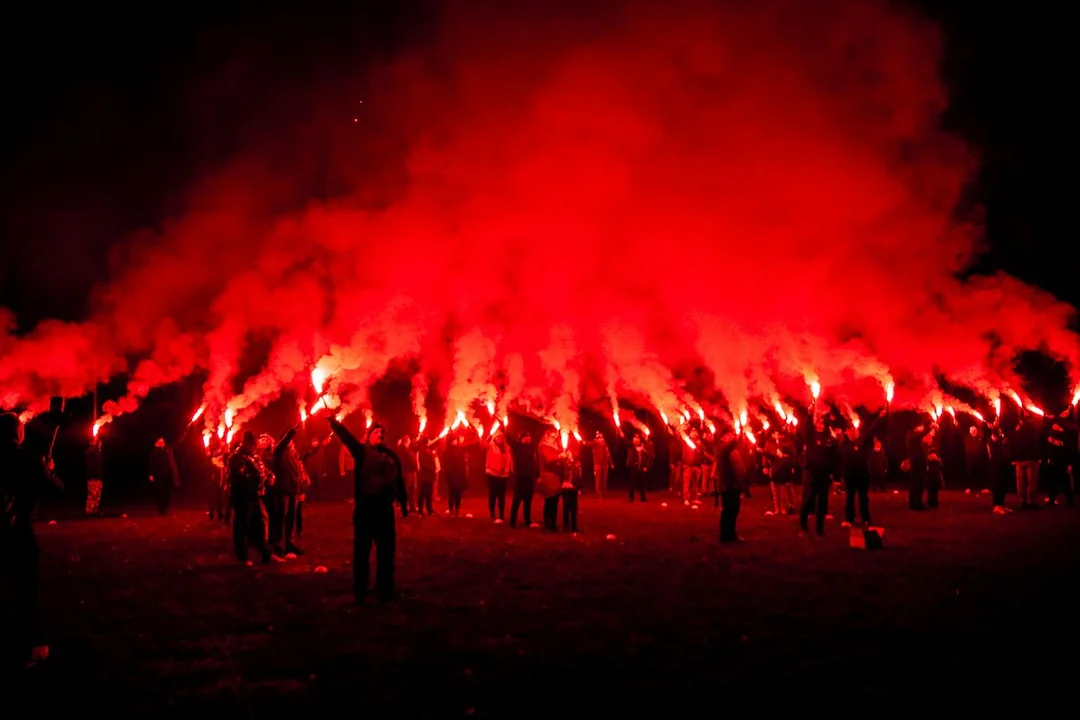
[(868, 538)]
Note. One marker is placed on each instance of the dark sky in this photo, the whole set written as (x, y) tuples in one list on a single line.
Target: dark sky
[(110, 114)]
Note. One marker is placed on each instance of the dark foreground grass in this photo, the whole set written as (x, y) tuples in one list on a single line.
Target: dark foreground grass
[(962, 609)]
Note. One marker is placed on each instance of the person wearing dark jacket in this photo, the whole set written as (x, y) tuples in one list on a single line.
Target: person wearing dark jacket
[(378, 484), (854, 462), (456, 469), (1061, 446), (916, 461), (248, 480), (819, 459), (291, 481), (569, 490), (526, 475), (638, 462), (731, 477), (24, 475), (1026, 456), (409, 469), (163, 474), (550, 482)]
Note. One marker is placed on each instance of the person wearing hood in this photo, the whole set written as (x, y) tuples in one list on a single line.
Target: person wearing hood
[(24, 475), (378, 484), (164, 475), (248, 481)]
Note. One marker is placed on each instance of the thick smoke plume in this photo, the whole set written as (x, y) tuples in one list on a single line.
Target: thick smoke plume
[(595, 202)]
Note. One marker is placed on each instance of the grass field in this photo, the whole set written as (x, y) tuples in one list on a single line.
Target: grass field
[(961, 610)]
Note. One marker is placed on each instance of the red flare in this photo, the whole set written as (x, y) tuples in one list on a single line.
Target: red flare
[(890, 390), (615, 417), (206, 440), (750, 436), (198, 413), (689, 443), (318, 379), (423, 423), (1035, 410), (565, 440)]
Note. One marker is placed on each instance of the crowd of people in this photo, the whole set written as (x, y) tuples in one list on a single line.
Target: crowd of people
[(260, 484)]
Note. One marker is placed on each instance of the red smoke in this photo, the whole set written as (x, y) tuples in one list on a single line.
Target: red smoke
[(592, 206)]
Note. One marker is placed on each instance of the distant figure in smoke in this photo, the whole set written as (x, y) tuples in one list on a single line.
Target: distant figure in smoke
[(378, 484), (675, 453), (550, 482), (409, 469), (23, 477), (637, 466), (998, 467), (95, 471), (731, 478), (975, 458), (427, 463), (569, 490), (314, 462), (878, 465), (248, 479), (819, 460), (916, 466), (1026, 456), (692, 460), (456, 467), (498, 465), (220, 506), (780, 452), (855, 459), (291, 482), (1061, 446), (163, 474), (526, 475), (935, 467), (601, 459), (346, 470)]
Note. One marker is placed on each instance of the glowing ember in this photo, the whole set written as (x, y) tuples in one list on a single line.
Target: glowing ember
[(198, 413), (855, 422)]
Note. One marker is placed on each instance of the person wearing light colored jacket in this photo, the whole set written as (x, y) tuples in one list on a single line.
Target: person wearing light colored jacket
[(498, 465)]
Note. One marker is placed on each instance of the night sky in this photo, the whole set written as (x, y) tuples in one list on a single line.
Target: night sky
[(111, 113)]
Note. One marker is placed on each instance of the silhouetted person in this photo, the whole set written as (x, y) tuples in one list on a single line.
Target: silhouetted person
[(731, 478), (248, 478), (163, 474), (379, 483), (975, 458), (456, 469), (935, 468), (916, 462), (409, 470), (878, 465), (819, 460), (291, 481), (637, 467), (24, 475), (526, 474), (1027, 452), (1061, 453), (856, 473), (998, 469), (569, 490), (95, 471)]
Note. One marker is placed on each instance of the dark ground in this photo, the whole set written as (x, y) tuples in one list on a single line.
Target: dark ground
[(962, 609)]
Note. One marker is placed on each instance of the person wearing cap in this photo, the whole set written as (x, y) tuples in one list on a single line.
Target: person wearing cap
[(378, 484), (23, 476)]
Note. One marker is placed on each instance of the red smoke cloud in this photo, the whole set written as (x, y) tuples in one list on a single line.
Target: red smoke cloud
[(592, 203)]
